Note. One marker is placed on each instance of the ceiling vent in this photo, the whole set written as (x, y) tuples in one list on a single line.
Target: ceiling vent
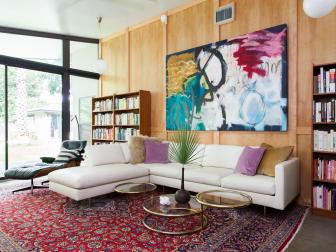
[(225, 14)]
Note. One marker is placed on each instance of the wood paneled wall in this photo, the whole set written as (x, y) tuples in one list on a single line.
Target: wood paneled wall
[(137, 61), (115, 51), (147, 69)]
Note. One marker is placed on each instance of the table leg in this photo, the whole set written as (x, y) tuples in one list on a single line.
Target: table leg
[(31, 186), (202, 216)]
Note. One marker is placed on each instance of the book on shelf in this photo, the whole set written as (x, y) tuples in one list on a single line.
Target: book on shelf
[(127, 103), (124, 134), (103, 134), (325, 81), (324, 140), (127, 119), (103, 119), (324, 111), (324, 197), (324, 169), (99, 143), (103, 105)]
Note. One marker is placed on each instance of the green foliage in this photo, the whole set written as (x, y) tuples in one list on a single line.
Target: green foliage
[(36, 83), (184, 146)]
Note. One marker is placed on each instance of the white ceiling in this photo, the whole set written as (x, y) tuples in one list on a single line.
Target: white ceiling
[(79, 17)]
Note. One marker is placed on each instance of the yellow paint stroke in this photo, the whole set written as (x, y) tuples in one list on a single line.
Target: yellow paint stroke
[(179, 68)]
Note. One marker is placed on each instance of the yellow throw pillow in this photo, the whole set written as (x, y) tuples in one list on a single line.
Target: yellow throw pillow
[(137, 148), (272, 157)]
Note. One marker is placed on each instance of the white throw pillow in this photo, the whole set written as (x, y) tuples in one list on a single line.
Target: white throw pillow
[(126, 151), (104, 154)]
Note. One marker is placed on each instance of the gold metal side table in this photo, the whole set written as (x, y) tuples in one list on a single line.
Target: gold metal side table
[(135, 188), (175, 210), (224, 199)]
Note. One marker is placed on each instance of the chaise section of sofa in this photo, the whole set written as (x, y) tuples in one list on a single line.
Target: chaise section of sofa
[(86, 182), (106, 166)]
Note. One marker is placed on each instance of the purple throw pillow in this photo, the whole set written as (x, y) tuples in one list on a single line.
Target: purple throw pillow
[(156, 152), (249, 161)]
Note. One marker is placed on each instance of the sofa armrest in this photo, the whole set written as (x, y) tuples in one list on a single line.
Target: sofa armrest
[(287, 181)]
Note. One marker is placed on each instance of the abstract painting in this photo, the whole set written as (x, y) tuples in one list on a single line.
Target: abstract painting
[(237, 84)]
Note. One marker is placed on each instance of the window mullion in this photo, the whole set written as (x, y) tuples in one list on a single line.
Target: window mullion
[(66, 91)]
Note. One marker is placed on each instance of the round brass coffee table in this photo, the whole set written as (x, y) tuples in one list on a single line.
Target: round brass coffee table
[(153, 208), (224, 199), (134, 188)]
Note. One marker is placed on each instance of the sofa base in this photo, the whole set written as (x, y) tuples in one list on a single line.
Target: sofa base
[(81, 194), (257, 198)]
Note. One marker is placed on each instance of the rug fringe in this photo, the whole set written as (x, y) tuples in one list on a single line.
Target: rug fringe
[(297, 230)]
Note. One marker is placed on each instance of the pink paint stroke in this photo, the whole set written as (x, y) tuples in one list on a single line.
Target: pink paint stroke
[(254, 46)]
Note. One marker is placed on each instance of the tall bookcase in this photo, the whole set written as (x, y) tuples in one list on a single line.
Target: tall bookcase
[(117, 117), (323, 176)]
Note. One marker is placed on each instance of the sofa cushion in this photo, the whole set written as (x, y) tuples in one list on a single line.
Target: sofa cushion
[(258, 183), (170, 170), (249, 160), (104, 154), (221, 155), (137, 148), (207, 175), (126, 151), (86, 177), (272, 157), (200, 154), (156, 152)]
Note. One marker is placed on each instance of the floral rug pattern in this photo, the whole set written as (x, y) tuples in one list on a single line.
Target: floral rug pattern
[(48, 221)]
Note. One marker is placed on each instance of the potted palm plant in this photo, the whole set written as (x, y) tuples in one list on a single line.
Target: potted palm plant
[(184, 150)]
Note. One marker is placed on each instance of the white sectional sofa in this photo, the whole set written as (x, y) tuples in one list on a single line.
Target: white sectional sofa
[(110, 166)]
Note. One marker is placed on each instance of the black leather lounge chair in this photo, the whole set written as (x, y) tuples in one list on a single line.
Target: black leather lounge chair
[(71, 154)]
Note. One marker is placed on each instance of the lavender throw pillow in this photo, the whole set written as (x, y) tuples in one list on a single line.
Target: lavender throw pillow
[(249, 161), (156, 152)]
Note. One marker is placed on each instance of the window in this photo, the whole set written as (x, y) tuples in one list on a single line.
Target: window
[(2, 122), (34, 115), (38, 49), (81, 92), (83, 56), (40, 67)]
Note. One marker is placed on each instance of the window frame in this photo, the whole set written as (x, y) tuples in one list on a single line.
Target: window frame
[(65, 71)]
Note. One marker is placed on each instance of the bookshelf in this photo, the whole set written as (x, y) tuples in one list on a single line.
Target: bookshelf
[(323, 175), (117, 117)]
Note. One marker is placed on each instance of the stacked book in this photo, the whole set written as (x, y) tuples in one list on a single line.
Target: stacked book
[(324, 197), (324, 169), (102, 134), (124, 134), (324, 111), (103, 119), (127, 103), (99, 143), (127, 119), (325, 81), (104, 105), (324, 140)]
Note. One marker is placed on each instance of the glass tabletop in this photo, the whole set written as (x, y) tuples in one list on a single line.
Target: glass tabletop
[(224, 199), (153, 206), (135, 188)]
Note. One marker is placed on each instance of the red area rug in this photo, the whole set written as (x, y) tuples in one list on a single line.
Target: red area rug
[(47, 221)]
